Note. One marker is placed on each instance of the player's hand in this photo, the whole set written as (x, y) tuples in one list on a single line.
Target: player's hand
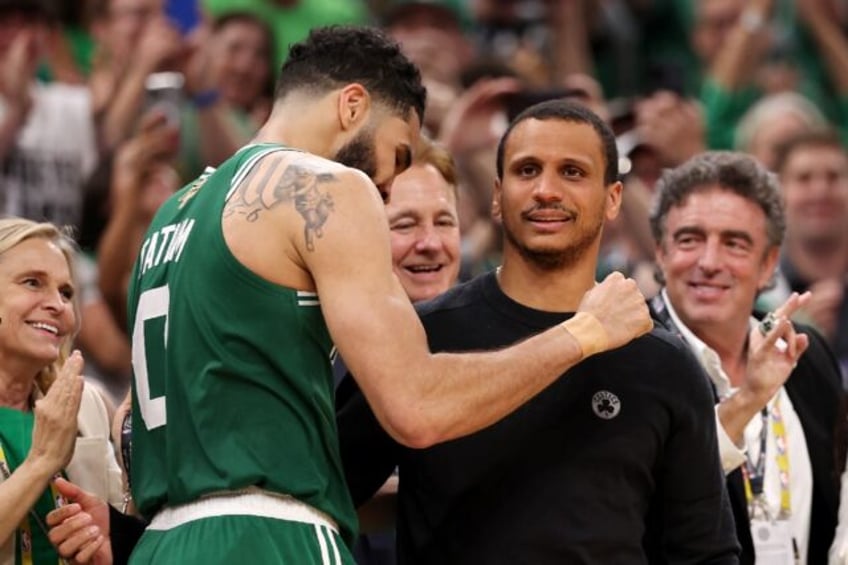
[(619, 307)]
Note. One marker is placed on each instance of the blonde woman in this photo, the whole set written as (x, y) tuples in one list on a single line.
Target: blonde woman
[(50, 422)]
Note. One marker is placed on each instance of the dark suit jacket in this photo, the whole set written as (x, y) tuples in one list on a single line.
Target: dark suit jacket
[(815, 389)]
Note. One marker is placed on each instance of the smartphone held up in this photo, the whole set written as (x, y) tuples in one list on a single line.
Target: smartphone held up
[(164, 93)]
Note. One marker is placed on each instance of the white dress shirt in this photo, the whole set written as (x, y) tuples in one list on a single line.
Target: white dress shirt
[(838, 554), (732, 456)]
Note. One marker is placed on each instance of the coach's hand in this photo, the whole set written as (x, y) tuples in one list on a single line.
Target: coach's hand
[(620, 309)]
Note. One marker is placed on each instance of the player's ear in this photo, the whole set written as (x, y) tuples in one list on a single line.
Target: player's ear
[(354, 104)]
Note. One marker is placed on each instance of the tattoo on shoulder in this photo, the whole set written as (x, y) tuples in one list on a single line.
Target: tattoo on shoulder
[(298, 183)]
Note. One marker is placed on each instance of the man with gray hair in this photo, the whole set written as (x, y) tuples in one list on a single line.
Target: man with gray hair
[(718, 223)]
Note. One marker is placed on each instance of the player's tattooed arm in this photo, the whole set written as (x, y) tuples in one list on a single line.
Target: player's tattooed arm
[(279, 181)]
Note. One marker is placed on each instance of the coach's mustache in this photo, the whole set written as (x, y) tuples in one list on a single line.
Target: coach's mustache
[(548, 211)]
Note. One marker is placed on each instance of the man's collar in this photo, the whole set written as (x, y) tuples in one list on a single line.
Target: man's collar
[(706, 355), (695, 343)]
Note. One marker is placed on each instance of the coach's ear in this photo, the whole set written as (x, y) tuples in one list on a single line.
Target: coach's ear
[(354, 106), (613, 203), (496, 202)]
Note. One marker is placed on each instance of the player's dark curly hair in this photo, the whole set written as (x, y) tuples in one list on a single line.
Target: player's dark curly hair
[(337, 55)]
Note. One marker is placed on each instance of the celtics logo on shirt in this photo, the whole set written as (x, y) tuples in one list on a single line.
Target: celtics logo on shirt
[(606, 405)]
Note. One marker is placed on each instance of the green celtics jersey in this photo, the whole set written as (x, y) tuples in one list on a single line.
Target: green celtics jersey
[(232, 375)]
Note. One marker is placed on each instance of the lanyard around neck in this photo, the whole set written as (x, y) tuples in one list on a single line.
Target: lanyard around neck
[(754, 474)]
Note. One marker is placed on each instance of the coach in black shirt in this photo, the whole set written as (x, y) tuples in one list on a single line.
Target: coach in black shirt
[(617, 461)]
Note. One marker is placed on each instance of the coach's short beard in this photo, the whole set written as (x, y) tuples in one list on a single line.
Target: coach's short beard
[(556, 259)]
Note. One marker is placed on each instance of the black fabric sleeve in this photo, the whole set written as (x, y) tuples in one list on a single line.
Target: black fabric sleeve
[(815, 388), (369, 454), (697, 520), (124, 531)]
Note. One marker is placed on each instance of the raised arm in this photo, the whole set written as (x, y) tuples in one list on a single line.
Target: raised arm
[(769, 365), (421, 398), (18, 63), (53, 438), (824, 26), (132, 207), (744, 47), (118, 108)]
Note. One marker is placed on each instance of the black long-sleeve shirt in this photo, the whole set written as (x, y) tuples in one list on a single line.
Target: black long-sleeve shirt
[(615, 462)]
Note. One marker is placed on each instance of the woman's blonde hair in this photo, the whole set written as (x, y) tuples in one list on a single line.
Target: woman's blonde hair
[(14, 231)]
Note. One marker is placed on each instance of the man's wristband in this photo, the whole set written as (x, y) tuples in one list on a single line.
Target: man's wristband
[(589, 333), (205, 98)]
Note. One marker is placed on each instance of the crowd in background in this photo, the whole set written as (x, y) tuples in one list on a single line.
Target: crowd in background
[(108, 106)]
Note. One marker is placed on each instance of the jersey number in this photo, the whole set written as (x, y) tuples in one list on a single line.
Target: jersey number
[(152, 304)]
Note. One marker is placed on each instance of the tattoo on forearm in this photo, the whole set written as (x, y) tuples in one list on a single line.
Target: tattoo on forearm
[(298, 183)]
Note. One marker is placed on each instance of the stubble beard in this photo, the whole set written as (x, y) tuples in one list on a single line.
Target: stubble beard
[(359, 154), (552, 259)]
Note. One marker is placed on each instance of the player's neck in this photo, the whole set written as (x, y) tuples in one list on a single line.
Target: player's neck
[(550, 289), (297, 127)]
